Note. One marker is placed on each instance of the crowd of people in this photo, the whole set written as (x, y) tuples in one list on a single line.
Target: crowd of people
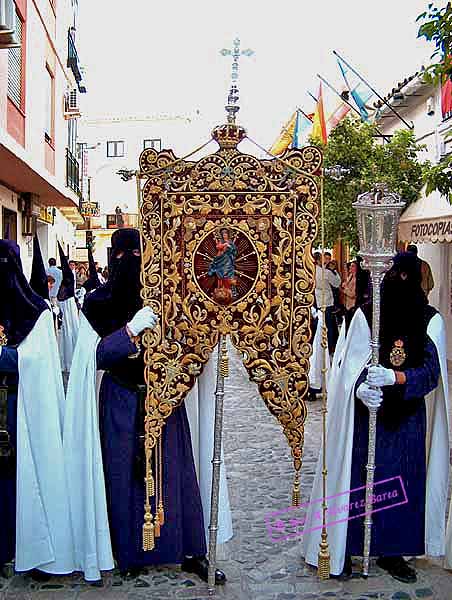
[(75, 456), (72, 465)]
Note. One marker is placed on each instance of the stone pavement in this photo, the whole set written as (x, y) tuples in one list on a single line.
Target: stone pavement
[(260, 478)]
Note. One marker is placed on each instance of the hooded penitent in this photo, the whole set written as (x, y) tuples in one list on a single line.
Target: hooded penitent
[(67, 288), (38, 279), (20, 306), (92, 282), (115, 303)]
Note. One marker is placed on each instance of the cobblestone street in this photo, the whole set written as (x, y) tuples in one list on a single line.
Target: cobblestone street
[(260, 477)]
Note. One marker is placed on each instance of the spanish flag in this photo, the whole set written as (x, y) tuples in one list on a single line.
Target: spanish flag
[(319, 124), (286, 136)]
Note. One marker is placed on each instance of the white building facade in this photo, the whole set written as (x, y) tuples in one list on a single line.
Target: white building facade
[(110, 144), (428, 222)]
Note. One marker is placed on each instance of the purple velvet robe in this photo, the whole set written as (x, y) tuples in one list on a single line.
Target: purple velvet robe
[(183, 531), (400, 451)]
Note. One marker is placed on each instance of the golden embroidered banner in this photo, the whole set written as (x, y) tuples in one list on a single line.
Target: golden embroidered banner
[(227, 250)]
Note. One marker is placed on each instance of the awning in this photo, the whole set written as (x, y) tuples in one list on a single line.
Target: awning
[(429, 219)]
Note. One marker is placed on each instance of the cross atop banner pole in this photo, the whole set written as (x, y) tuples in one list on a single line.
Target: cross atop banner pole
[(232, 106)]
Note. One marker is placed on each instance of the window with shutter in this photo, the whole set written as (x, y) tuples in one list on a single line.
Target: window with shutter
[(15, 91)]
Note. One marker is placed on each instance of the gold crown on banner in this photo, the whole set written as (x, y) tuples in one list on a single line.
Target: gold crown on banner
[(229, 135)]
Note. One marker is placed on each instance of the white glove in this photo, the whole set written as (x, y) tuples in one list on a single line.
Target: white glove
[(379, 376), (313, 312), (144, 319), (370, 397)]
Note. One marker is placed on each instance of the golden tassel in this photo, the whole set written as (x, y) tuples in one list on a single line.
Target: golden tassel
[(148, 530), (224, 359), (296, 490), (148, 526), (324, 557)]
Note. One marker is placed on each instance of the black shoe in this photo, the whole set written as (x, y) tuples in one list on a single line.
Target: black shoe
[(39, 576), (346, 571), (398, 568), (200, 566), (132, 573)]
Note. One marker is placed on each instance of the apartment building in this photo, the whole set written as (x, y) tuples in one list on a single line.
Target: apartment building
[(41, 82)]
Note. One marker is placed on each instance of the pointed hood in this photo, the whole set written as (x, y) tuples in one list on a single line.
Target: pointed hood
[(20, 306), (67, 288), (38, 279), (92, 282)]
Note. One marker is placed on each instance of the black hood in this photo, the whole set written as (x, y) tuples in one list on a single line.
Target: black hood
[(92, 282), (38, 279), (67, 287), (20, 306), (111, 306)]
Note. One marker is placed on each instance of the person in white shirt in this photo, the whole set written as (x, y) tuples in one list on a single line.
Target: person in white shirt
[(323, 287)]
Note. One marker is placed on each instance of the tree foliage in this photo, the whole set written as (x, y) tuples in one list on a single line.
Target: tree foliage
[(436, 27), (353, 145), (439, 177)]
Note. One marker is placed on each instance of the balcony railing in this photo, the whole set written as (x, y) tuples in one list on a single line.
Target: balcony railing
[(72, 172), (120, 219), (110, 221), (72, 58)]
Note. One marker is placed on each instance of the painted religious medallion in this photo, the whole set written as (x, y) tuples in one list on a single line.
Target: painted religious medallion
[(398, 354), (225, 265)]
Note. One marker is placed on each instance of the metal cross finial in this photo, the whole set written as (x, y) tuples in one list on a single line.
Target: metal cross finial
[(232, 106)]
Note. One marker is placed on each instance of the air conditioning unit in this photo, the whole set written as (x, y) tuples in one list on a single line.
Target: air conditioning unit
[(8, 34), (71, 108), (430, 106)]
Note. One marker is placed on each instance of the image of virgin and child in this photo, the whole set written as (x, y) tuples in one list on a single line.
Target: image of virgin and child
[(223, 268)]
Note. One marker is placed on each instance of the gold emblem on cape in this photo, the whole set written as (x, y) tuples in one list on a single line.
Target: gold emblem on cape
[(3, 338), (398, 354)]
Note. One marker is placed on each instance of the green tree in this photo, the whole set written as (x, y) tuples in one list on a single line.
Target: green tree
[(436, 27), (353, 145)]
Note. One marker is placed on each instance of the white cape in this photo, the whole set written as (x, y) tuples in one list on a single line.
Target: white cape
[(351, 357), (44, 534), (69, 332), (200, 406), (83, 456), (316, 360)]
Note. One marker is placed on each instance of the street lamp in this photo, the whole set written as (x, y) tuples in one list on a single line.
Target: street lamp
[(378, 213)]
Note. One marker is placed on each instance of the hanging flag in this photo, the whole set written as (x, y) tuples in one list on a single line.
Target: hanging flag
[(286, 136), (446, 99), (360, 93), (339, 113), (303, 126), (319, 125)]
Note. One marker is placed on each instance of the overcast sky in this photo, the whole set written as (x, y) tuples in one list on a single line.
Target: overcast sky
[(149, 56)]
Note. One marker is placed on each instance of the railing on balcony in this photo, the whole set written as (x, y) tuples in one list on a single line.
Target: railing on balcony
[(120, 219), (72, 58), (72, 173)]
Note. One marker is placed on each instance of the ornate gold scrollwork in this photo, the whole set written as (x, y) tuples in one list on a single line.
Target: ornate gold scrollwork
[(265, 212)]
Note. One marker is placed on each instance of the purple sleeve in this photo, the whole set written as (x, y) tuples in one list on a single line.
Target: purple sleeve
[(421, 381), (9, 360), (113, 348)]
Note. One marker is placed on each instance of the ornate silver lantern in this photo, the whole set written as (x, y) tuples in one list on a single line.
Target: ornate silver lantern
[(378, 215)]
